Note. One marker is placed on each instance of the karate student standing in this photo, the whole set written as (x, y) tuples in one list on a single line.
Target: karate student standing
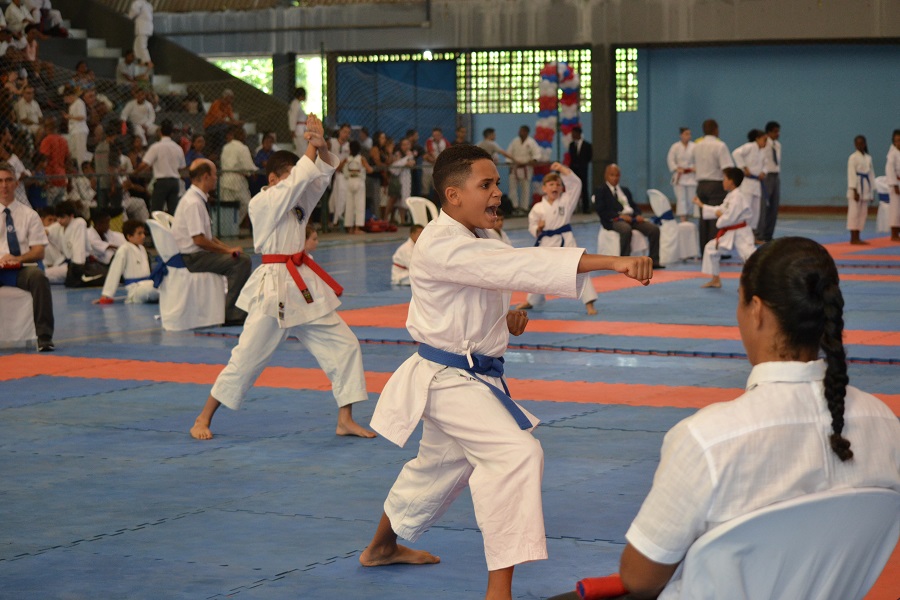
[(892, 171), (684, 180), (860, 179), (290, 294), (474, 434), (751, 160), (549, 222), (733, 223)]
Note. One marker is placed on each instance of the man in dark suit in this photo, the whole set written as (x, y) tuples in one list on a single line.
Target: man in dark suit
[(581, 153), (618, 212)]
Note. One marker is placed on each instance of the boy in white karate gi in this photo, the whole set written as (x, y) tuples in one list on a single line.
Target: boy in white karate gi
[(474, 435), (290, 294), (733, 222), (102, 241), (403, 256), (131, 263), (548, 222)]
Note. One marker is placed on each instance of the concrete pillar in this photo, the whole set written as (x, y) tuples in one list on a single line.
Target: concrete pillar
[(284, 76), (603, 108)]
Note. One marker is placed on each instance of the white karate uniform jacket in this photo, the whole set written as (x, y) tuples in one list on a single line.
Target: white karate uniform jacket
[(400, 263), (279, 214), (100, 249), (557, 214), (750, 156), (860, 164), (892, 172), (681, 156), (130, 262), (735, 208), (461, 289)]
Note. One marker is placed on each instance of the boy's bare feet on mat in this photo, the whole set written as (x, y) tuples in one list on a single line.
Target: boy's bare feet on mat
[(347, 426), (379, 557), (200, 430)]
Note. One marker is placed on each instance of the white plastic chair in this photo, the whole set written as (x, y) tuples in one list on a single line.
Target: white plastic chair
[(608, 243), (16, 306), (820, 546), (677, 241), (882, 221), (163, 218), (186, 300), (421, 209)]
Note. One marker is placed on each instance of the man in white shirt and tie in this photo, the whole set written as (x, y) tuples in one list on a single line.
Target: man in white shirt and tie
[(711, 157), (768, 214)]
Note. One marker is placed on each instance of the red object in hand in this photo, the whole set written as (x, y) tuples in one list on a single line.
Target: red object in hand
[(597, 588), (106, 300)]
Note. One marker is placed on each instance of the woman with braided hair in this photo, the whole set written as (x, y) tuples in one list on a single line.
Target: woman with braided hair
[(798, 429)]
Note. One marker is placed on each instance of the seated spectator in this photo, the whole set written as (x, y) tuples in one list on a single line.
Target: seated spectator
[(83, 191), (80, 271), (403, 256), (83, 77), (202, 252), (132, 266), (267, 149), (56, 149), (198, 143), (103, 242), (53, 254), (619, 213), (29, 113), (14, 84), (18, 16), (130, 71), (38, 69), (140, 115), (798, 429), (50, 20), (219, 120), (20, 249), (36, 185)]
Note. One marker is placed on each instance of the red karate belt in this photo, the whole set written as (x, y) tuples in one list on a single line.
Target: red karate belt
[(404, 267), (301, 258), (722, 231)]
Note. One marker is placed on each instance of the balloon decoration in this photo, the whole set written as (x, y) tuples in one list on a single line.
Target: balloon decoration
[(552, 112)]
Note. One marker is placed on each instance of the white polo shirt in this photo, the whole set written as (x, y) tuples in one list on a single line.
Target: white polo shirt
[(711, 156), (166, 157), (191, 218)]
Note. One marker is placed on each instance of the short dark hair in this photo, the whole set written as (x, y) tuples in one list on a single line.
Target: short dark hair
[(454, 165), (754, 134), (710, 127), (415, 227), (772, 125), (355, 147), (130, 226), (683, 129), (66, 208), (734, 174), (578, 129), (204, 168), (281, 161), (488, 131), (166, 127)]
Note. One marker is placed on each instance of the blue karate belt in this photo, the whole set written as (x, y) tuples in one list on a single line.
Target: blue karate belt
[(863, 179), (136, 279), (762, 184), (552, 232), (161, 269), (483, 365), (666, 216)]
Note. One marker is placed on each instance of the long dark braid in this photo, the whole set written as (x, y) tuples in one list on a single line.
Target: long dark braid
[(798, 280)]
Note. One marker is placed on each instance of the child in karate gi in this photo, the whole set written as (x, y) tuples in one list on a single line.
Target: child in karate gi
[(80, 270), (474, 434), (860, 182), (548, 221), (733, 222), (102, 241), (497, 232), (290, 294), (131, 263), (354, 168), (680, 161), (402, 257)]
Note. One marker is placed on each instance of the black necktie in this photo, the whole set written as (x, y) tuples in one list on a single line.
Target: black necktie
[(12, 239), (774, 155)]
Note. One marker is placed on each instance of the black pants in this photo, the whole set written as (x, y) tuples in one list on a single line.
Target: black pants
[(165, 194), (710, 192), (33, 281), (650, 230), (235, 270), (768, 208)]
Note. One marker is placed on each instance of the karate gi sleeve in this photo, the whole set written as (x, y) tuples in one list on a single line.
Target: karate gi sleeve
[(851, 172), (116, 267)]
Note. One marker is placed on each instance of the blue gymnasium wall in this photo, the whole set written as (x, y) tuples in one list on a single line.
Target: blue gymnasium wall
[(822, 95), (507, 126)]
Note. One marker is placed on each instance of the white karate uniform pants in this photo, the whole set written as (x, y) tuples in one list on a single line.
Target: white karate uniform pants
[(856, 213), (712, 255), (469, 438), (355, 199), (520, 187), (140, 48), (141, 292), (328, 339), (893, 208), (684, 196), (337, 200)]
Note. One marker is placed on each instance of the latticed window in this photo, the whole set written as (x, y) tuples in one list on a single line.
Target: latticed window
[(507, 81), (626, 79)]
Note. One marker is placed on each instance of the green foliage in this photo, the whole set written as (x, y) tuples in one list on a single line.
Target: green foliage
[(256, 71)]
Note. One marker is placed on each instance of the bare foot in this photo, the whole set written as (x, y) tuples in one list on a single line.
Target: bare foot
[(372, 557), (859, 242), (712, 284), (524, 306), (200, 430), (354, 428), (590, 309)]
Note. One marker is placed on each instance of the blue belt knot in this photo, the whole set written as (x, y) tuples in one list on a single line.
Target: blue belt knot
[(552, 232), (161, 269)]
